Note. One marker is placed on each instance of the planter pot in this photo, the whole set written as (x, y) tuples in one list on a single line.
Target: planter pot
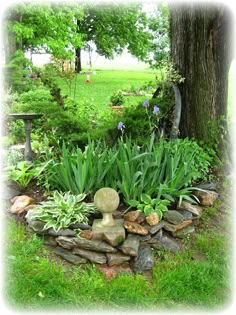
[(117, 109)]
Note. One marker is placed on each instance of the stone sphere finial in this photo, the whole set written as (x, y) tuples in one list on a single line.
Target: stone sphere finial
[(106, 200)]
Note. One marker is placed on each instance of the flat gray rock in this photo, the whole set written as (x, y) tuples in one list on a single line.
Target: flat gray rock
[(117, 258), (184, 232), (131, 245), (94, 257), (173, 217), (61, 232), (186, 214), (145, 259), (69, 256), (94, 245), (155, 228)]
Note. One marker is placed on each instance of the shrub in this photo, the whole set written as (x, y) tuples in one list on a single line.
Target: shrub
[(117, 99)]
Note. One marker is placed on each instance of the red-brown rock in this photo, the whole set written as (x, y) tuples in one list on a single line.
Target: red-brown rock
[(207, 197), (152, 219), (131, 216), (110, 272), (135, 228), (87, 234), (20, 203)]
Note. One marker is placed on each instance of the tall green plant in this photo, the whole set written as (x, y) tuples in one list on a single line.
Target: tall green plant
[(162, 170)]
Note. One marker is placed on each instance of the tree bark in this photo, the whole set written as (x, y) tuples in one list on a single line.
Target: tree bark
[(201, 38), (78, 66)]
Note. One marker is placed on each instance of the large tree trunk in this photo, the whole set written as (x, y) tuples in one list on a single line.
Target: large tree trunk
[(201, 51)]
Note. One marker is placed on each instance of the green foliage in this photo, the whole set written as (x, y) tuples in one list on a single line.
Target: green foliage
[(55, 119), (117, 99), (15, 73), (62, 210), (163, 170), (52, 26), (159, 27), (16, 130), (35, 101), (113, 27), (148, 205), (82, 171), (14, 156), (22, 173)]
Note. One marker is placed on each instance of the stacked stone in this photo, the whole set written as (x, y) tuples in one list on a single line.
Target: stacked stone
[(134, 248)]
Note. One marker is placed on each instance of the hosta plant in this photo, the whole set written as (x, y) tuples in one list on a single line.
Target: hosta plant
[(62, 210), (148, 205)]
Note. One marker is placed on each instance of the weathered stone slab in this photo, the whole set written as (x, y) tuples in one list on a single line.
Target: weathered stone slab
[(49, 240), (186, 214), (170, 244), (152, 219), (114, 238), (141, 218), (173, 228), (144, 260), (135, 228), (80, 226), (195, 209), (69, 256), (86, 234), (164, 242), (114, 235), (131, 216), (131, 245), (66, 242), (92, 256), (184, 232), (173, 216), (61, 232), (207, 186), (117, 259), (94, 245), (38, 227), (155, 228), (144, 238), (207, 197), (158, 235)]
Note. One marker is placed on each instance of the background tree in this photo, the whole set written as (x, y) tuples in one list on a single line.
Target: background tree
[(113, 27), (158, 24), (49, 27), (201, 39)]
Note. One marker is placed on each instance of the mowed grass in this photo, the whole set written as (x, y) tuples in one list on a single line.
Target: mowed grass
[(34, 280), (104, 83)]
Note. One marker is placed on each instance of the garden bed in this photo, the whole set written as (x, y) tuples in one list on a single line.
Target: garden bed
[(134, 254)]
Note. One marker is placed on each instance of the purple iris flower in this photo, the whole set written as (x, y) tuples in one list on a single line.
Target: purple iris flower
[(156, 110), (120, 125), (145, 103)]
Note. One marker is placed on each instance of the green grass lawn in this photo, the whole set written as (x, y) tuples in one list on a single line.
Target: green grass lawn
[(104, 83)]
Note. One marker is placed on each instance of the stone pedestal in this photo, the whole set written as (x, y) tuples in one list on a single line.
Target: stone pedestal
[(107, 201)]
